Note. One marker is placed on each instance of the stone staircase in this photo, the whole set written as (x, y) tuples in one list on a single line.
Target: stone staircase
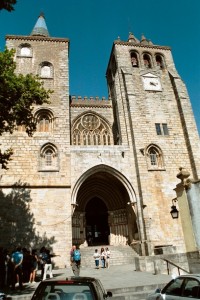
[(120, 255)]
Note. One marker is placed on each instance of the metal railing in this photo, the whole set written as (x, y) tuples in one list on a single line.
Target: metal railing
[(169, 262)]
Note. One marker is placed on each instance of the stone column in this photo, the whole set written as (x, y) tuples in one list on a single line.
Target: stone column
[(185, 214), (193, 195)]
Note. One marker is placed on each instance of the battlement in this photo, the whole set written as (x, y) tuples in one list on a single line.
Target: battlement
[(90, 101)]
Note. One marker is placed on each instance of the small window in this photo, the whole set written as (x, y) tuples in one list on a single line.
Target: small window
[(46, 70), (48, 158), (158, 129), (154, 157), (24, 50), (165, 129), (161, 129), (44, 119)]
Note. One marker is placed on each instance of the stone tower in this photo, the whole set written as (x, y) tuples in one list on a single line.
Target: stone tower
[(154, 118), (100, 171)]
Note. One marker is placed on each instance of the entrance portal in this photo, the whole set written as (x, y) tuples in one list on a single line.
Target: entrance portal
[(97, 228), (103, 214)]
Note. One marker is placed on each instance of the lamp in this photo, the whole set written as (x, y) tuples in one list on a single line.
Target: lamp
[(174, 211)]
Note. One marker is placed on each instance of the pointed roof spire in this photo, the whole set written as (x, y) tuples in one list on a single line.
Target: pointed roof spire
[(132, 38), (40, 28), (145, 41)]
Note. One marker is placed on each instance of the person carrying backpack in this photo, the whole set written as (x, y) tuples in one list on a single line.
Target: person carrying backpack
[(75, 258)]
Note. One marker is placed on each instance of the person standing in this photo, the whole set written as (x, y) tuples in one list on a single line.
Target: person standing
[(34, 265), (103, 256), (96, 258), (47, 264), (107, 253), (17, 259), (75, 259), (41, 262)]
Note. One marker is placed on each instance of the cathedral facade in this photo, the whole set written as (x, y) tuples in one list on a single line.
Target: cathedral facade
[(100, 171)]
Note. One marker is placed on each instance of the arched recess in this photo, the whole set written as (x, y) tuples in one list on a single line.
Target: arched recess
[(103, 192)]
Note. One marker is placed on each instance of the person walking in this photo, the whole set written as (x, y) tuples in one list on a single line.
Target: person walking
[(75, 260), (107, 253), (103, 256), (17, 259), (47, 264), (96, 258)]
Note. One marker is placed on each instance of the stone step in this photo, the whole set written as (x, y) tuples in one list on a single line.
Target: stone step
[(122, 254)]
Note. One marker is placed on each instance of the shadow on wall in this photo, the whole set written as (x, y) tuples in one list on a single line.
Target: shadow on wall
[(17, 221)]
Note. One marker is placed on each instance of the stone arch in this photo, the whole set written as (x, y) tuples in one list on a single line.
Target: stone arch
[(48, 157), (115, 221), (109, 170), (90, 128), (160, 60), (154, 156), (46, 70), (44, 118)]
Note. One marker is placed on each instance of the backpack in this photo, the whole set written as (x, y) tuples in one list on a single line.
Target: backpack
[(76, 255)]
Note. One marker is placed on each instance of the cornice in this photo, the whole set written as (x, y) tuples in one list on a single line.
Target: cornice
[(37, 38), (141, 45)]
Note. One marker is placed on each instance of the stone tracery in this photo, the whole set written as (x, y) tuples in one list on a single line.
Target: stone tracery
[(90, 129)]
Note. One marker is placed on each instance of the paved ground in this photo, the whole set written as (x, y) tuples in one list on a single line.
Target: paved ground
[(116, 277)]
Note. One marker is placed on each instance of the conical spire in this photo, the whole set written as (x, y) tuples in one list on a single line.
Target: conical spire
[(40, 27), (132, 38)]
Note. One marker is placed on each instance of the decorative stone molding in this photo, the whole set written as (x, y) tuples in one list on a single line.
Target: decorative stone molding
[(183, 176)]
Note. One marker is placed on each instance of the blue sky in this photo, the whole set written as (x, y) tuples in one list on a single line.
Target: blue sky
[(93, 25)]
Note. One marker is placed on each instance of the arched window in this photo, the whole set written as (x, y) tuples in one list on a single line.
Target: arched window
[(46, 70), (160, 61), (147, 61), (44, 118), (91, 129), (154, 157), (48, 158), (134, 60), (25, 50)]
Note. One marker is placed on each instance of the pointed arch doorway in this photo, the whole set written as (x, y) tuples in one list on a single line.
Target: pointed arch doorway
[(103, 202), (96, 217)]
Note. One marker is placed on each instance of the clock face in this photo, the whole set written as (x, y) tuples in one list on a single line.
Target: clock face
[(152, 83)]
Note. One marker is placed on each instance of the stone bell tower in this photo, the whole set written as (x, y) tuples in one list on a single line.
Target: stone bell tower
[(153, 116), (42, 162)]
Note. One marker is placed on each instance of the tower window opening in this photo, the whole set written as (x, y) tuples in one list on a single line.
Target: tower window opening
[(44, 119), (161, 129), (134, 60), (147, 61), (154, 158), (46, 70), (159, 61), (48, 158)]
